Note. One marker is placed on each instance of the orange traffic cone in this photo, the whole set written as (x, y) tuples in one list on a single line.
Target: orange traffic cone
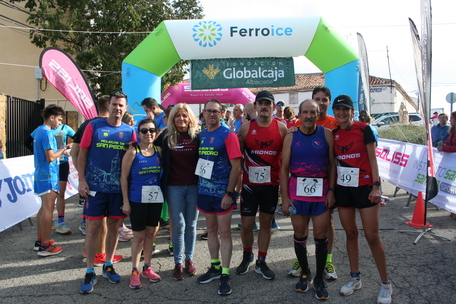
[(418, 214)]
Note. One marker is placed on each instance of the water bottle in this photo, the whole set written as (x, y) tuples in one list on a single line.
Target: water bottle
[(292, 210)]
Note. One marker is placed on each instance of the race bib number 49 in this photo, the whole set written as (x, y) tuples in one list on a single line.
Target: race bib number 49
[(347, 176)]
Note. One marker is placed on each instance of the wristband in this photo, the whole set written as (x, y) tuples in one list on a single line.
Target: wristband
[(229, 193), (331, 189)]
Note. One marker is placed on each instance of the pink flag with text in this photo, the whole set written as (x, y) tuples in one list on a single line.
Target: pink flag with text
[(63, 73)]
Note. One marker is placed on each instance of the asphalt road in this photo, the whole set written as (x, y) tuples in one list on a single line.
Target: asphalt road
[(422, 273)]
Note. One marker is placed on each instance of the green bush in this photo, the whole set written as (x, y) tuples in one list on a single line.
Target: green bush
[(406, 133)]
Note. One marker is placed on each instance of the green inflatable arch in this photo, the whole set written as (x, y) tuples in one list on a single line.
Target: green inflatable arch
[(173, 40)]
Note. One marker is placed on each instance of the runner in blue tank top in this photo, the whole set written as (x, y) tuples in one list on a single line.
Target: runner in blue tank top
[(142, 198), (309, 192)]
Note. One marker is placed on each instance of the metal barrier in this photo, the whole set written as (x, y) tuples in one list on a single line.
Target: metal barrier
[(22, 117)]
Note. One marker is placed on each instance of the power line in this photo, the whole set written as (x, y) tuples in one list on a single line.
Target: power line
[(34, 66), (71, 31)]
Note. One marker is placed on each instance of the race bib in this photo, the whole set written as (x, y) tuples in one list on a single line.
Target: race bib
[(309, 186), (347, 176), (260, 175), (151, 194), (204, 168)]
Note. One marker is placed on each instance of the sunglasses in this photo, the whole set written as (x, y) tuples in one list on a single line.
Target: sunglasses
[(145, 130), (212, 111), (280, 104)]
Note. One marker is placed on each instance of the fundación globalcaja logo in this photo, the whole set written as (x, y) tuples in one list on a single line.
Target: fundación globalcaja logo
[(207, 33)]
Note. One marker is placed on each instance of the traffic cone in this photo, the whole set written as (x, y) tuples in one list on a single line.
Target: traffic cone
[(418, 214)]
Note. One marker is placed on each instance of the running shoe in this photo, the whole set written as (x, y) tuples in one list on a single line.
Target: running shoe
[(330, 271), (135, 280), (178, 273), (224, 285), (247, 261), (164, 224), (127, 231), (384, 296), (82, 201), (351, 286), (320, 290), (190, 268), (100, 259), (263, 269), (154, 249), (254, 228), (279, 209), (275, 226), (111, 274), (303, 283), (295, 270), (54, 224), (82, 228), (90, 280), (123, 237), (62, 229), (210, 275), (204, 236), (51, 250), (170, 249), (149, 273), (37, 245)]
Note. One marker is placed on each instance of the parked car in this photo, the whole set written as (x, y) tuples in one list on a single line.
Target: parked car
[(390, 119)]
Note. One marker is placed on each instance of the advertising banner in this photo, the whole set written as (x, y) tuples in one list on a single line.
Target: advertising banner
[(404, 165), (17, 198), (242, 73), (63, 73)]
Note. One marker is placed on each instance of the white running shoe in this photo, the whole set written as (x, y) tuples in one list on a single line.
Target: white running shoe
[(62, 229), (295, 270), (123, 237), (351, 286), (384, 296)]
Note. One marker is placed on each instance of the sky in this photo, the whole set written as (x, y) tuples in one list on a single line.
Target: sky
[(383, 25)]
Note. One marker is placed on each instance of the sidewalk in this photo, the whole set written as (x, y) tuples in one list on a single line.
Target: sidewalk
[(422, 273)]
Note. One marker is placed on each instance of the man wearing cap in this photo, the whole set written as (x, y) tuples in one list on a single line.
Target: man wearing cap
[(280, 105), (261, 142), (322, 96)]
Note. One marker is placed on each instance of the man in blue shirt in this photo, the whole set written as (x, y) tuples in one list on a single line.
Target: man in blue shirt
[(46, 176), (153, 110), (439, 132)]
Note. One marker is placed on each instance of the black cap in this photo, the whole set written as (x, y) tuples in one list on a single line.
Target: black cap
[(264, 95), (343, 100)]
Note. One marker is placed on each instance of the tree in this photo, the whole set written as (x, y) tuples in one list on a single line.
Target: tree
[(75, 26)]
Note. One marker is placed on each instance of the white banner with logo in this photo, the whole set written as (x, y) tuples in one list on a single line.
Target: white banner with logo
[(17, 199), (404, 165)]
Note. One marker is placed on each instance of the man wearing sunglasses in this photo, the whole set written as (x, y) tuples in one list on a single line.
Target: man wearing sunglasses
[(280, 105), (219, 168), (101, 150)]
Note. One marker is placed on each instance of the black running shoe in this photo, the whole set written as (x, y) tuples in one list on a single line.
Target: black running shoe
[(224, 285), (263, 269), (304, 283), (247, 261), (320, 290), (210, 275), (204, 236)]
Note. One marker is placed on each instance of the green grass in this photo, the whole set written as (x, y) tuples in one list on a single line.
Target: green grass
[(405, 133)]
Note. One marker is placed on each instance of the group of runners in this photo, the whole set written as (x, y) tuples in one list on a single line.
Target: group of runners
[(323, 163)]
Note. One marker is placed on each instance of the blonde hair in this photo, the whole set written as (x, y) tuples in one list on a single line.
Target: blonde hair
[(173, 133)]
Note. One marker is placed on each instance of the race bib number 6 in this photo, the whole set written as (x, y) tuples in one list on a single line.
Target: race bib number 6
[(204, 168), (260, 175), (347, 176), (309, 186), (151, 194)]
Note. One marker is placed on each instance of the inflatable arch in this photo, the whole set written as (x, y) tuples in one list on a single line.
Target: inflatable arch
[(173, 40)]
